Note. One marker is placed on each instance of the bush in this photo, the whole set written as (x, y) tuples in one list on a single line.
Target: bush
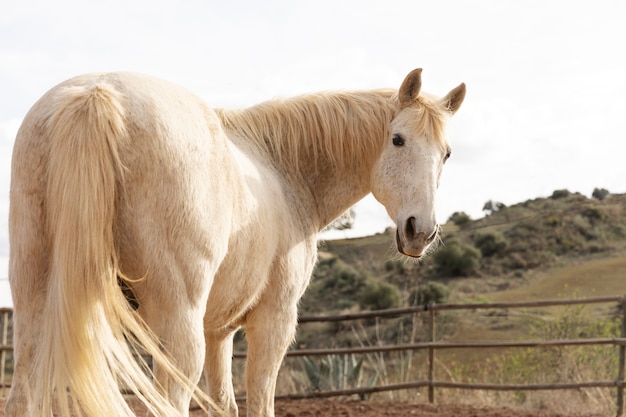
[(341, 277), (560, 194), (600, 193), (460, 218), (336, 282), (493, 206), (380, 295), (560, 364), (429, 292), (593, 214), (491, 243), (395, 266), (527, 238), (457, 259)]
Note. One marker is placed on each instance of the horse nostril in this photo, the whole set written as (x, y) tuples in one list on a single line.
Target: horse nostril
[(409, 227), (411, 232)]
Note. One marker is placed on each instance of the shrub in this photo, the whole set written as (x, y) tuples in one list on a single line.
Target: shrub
[(553, 220), (460, 218), (457, 259), (493, 206), (593, 214), (336, 282), (560, 364), (600, 193), (395, 266), (527, 238), (517, 261), (490, 243), (429, 292), (333, 372), (341, 277), (380, 295), (560, 194)]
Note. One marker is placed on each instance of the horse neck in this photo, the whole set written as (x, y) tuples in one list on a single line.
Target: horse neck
[(334, 189), (324, 145)]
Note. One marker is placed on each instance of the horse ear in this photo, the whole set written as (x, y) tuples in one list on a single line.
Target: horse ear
[(410, 88), (454, 99)]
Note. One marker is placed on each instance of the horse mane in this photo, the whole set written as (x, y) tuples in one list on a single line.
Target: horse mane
[(341, 127)]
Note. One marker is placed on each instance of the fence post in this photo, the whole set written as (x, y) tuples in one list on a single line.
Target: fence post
[(4, 341), (431, 355), (622, 360)]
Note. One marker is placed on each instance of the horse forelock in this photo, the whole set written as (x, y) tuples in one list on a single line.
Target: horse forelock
[(431, 118)]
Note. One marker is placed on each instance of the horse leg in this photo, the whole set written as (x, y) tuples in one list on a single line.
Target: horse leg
[(269, 331), (172, 303), (271, 325), (179, 328), (186, 350), (218, 369), (29, 279), (27, 322)]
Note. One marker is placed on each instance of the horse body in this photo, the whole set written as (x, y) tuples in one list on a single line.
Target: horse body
[(209, 216)]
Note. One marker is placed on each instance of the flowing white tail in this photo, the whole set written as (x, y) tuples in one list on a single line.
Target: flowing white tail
[(84, 349)]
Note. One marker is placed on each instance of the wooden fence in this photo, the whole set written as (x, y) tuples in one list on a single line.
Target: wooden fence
[(5, 347), (433, 346)]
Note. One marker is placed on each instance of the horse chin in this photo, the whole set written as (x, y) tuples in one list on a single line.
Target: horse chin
[(409, 250)]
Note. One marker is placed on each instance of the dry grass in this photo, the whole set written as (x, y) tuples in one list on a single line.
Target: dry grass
[(589, 278)]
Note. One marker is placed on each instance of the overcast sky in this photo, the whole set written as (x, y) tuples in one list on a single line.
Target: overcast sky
[(546, 79)]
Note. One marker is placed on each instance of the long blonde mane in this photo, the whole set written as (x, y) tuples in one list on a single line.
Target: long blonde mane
[(340, 128)]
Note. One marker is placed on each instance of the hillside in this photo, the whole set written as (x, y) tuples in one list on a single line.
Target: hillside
[(563, 246)]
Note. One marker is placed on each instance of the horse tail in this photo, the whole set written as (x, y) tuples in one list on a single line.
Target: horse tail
[(84, 349)]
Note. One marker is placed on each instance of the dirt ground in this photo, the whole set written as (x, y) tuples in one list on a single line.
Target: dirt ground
[(334, 408)]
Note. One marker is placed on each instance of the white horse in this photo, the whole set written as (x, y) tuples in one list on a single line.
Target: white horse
[(210, 216)]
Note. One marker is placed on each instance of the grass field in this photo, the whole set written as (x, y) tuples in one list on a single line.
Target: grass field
[(586, 278)]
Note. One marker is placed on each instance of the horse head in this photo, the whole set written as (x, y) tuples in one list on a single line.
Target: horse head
[(406, 175)]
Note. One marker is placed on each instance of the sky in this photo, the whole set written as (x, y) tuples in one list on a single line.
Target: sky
[(546, 80)]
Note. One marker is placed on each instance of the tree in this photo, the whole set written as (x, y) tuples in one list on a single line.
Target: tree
[(460, 218), (560, 194), (493, 206), (600, 193)]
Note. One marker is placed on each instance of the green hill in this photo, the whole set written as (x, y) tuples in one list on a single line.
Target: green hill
[(563, 246)]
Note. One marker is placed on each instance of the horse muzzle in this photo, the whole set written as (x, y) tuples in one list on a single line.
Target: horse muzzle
[(412, 241)]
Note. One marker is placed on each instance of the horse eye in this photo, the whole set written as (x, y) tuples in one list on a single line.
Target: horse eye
[(448, 154), (397, 140)]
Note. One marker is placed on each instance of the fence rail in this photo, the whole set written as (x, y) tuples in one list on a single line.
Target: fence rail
[(433, 345)]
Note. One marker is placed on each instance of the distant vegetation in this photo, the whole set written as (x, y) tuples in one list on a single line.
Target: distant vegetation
[(509, 242), (477, 261)]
